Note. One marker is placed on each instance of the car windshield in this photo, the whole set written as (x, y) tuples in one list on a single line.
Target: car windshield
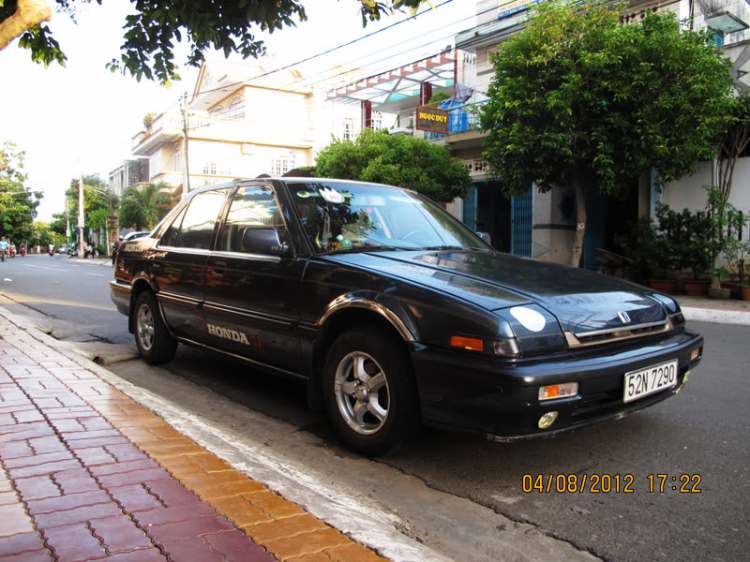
[(345, 217)]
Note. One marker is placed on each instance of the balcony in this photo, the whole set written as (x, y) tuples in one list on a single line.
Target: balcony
[(167, 127), (271, 130), (463, 124)]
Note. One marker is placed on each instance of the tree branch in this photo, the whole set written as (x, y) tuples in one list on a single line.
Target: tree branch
[(28, 14)]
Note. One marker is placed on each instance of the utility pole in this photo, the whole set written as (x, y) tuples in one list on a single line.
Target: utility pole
[(185, 169), (67, 226), (81, 245)]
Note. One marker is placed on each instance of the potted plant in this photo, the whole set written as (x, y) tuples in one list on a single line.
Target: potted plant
[(652, 255), (725, 221), (719, 292), (687, 232), (745, 286)]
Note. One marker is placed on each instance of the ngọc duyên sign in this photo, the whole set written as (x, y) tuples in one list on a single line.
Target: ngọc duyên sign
[(432, 119)]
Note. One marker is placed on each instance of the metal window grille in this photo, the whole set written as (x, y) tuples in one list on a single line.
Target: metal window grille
[(522, 222)]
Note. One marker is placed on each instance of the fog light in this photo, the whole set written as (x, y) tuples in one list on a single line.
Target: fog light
[(565, 390), (694, 354), (547, 420)]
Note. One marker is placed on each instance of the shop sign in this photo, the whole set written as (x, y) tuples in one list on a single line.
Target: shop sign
[(432, 119)]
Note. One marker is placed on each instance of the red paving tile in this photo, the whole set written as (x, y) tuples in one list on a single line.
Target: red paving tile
[(190, 549), (190, 528), (37, 487), (140, 555), (68, 501), (134, 477), (73, 543), (87, 489), (235, 547), (117, 468), (21, 543), (36, 556), (171, 492), (174, 514), (46, 468), (37, 459), (77, 515), (119, 534), (76, 480), (135, 498)]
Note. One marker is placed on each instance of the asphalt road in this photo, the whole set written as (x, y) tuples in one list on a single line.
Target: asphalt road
[(702, 432)]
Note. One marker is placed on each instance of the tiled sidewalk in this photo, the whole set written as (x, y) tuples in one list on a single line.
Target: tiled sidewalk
[(88, 474)]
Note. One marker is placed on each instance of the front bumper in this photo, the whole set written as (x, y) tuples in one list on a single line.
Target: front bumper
[(120, 294), (466, 391)]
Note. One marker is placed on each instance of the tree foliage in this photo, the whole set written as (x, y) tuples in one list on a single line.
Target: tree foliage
[(150, 33), (580, 99), (399, 160), (143, 207), (18, 203)]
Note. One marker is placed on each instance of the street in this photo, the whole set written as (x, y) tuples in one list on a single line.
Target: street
[(458, 494)]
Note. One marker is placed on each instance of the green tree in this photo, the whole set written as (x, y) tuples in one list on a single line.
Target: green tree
[(580, 100), (95, 201), (18, 203), (399, 160), (41, 235), (150, 32), (141, 208)]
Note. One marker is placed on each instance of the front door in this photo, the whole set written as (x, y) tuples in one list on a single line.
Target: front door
[(178, 263), (249, 297)]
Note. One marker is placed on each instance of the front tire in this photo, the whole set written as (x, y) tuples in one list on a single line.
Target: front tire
[(369, 390), (151, 335)]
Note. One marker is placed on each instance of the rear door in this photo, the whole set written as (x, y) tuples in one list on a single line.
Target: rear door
[(179, 263), (250, 298)]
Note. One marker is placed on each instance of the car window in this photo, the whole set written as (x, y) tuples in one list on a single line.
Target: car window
[(253, 206), (172, 235), (352, 216), (198, 224)]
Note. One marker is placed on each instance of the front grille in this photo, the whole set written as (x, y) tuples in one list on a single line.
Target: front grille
[(616, 335)]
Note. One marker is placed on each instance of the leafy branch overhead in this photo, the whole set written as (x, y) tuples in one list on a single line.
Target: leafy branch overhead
[(151, 32)]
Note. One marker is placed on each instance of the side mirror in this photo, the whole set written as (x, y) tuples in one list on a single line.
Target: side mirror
[(486, 237), (265, 240)]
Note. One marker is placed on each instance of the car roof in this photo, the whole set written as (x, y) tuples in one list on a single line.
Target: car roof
[(288, 179)]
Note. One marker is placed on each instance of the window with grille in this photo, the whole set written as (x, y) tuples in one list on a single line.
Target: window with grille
[(282, 164), (348, 129), (236, 108)]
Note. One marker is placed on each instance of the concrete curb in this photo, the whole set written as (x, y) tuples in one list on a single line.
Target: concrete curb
[(715, 315), (378, 530)]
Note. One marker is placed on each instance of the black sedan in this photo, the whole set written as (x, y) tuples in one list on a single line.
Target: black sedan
[(393, 312)]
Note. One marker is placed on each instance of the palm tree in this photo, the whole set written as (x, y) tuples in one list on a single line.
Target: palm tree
[(140, 207)]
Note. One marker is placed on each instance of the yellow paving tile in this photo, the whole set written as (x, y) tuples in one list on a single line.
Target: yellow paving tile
[(286, 528), (306, 543), (240, 512), (273, 504), (352, 552)]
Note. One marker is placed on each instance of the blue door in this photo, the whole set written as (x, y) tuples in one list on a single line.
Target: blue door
[(470, 208), (522, 222)]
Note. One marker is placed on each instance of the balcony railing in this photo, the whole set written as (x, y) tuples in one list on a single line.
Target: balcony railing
[(462, 118)]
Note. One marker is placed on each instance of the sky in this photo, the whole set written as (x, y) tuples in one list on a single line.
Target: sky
[(80, 119)]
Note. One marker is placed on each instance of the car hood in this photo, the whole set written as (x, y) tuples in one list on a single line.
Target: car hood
[(581, 300)]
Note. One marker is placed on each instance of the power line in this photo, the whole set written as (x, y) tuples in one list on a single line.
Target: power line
[(332, 49)]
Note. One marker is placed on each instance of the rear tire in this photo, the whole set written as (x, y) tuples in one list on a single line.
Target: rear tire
[(151, 335), (369, 390)]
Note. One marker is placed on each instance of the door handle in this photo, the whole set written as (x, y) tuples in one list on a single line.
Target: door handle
[(219, 269)]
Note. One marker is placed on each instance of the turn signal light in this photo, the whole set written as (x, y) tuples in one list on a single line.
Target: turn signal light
[(472, 344), (553, 391), (694, 354)]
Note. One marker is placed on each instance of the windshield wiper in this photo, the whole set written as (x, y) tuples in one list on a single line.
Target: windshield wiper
[(463, 248), (366, 249)]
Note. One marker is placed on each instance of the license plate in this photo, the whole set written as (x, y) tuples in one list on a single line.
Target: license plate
[(650, 380)]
